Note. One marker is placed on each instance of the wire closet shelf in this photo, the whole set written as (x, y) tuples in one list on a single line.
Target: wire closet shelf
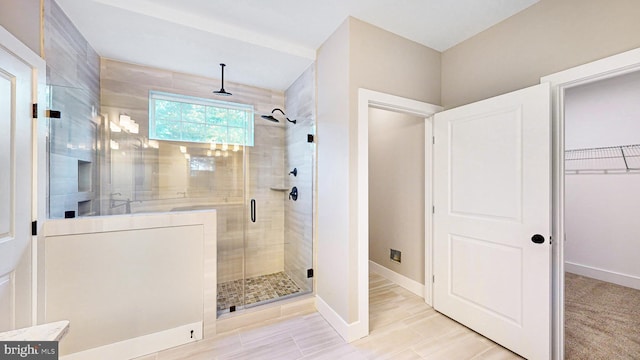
[(603, 160)]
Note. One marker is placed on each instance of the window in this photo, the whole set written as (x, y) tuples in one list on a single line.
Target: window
[(185, 118)]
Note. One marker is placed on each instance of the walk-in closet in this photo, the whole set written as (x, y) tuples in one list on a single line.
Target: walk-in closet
[(602, 218)]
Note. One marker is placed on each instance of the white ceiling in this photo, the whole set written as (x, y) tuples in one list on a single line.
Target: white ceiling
[(265, 43)]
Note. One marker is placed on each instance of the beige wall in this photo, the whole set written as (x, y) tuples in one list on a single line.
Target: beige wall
[(22, 19), (396, 191), (548, 37), (333, 258), (388, 63), (357, 55)]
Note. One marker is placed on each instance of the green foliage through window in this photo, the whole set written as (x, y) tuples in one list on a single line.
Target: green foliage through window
[(184, 118)]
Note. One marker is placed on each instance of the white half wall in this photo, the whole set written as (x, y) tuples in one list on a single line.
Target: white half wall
[(121, 278)]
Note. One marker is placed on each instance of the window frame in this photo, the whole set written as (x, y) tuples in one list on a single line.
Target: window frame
[(249, 128)]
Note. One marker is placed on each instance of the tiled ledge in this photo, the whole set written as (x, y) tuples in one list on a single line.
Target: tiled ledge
[(47, 332)]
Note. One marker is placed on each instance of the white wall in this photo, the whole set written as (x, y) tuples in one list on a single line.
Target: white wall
[(606, 113), (396, 191), (602, 231)]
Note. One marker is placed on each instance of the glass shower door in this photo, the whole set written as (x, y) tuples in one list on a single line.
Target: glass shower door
[(278, 246)]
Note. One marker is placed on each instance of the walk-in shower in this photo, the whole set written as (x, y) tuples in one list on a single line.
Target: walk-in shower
[(191, 151)]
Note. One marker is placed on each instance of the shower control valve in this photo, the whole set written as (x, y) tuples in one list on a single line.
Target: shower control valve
[(293, 195)]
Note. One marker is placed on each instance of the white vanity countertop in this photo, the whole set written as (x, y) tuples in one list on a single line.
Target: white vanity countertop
[(46, 332)]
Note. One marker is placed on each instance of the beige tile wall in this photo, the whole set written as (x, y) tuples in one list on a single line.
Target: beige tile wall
[(299, 154), (125, 90)]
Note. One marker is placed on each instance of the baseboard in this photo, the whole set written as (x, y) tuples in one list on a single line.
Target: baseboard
[(141, 345), (349, 332), (401, 280), (604, 275)]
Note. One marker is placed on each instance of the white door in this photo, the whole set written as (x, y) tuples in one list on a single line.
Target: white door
[(15, 187), (492, 221)]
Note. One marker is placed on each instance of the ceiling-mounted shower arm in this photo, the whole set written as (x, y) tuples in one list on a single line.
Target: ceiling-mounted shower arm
[(222, 91)]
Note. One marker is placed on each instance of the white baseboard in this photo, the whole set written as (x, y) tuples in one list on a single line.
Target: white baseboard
[(349, 332), (401, 280), (141, 345), (604, 275)]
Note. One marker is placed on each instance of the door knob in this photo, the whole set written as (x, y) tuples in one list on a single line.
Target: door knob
[(537, 238)]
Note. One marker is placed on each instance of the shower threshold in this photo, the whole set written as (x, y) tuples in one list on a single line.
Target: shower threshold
[(257, 290)]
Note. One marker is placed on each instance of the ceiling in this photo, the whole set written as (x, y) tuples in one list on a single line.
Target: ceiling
[(265, 43)]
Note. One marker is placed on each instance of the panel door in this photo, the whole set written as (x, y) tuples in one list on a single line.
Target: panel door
[(15, 184), (492, 221)]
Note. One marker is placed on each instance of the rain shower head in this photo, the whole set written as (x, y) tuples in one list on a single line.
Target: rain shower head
[(222, 91), (272, 118)]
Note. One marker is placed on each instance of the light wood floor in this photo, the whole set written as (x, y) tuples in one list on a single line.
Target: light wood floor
[(402, 327)]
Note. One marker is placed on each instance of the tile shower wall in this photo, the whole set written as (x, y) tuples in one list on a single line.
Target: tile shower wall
[(74, 84), (125, 90), (301, 105)]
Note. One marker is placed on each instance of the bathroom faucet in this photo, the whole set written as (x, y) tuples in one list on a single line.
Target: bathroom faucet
[(126, 203)]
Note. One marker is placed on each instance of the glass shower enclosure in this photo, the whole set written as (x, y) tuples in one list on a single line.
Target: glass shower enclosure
[(105, 162), (273, 260)]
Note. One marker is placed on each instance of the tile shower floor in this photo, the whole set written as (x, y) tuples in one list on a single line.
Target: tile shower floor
[(257, 289)]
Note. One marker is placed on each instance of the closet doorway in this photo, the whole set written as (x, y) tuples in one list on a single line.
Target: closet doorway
[(602, 204)]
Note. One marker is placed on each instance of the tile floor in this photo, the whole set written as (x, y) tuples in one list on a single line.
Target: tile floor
[(402, 327), (256, 289)]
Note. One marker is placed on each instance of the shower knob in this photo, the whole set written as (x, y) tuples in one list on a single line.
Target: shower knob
[(293, 195)]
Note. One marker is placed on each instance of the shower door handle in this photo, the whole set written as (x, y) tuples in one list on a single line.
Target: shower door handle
[(253, 210)]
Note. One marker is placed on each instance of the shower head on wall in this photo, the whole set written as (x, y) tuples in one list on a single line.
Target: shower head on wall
[(272, 118), (222, 91)]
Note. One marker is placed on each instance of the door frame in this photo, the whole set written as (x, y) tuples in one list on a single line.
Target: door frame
[(609, 67), (366, 99), (38, 147)]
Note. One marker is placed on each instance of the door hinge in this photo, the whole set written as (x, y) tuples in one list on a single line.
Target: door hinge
[(34, 111), (54, 114), (34, 227), (433, 140), (309, 273), (433, 279), (433, 209)]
